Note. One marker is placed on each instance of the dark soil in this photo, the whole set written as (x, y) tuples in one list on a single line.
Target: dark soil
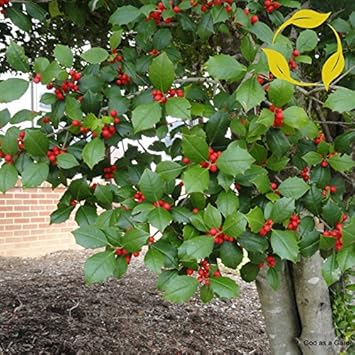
[(45, 308)]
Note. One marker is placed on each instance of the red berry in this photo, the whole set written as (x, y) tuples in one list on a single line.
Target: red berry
[(189, 271), (195, 210), (254, 19), (176, 9), (217, 273), (76, 123), (333, 189), (213, 231), (324, 164), (213, 168), (295, 53), (186, 160), (274, 186), (113, 113), (8, 158)]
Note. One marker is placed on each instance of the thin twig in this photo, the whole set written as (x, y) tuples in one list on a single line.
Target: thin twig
[(336, 123), (321, 116)]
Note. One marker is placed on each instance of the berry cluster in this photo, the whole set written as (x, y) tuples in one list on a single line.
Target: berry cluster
[(157, 14), (7, 157), (53, 153), (3, 4), (160, 97), (108, 131), (226, 3), (337, 233), (20, 138), (305, 174), (294, 222), (68, 86), (329, 189), (203, 272), (212, 160), (162, 204), (219, 236), (123, 79), (271, 6), (292, 63), (126, 254), (109, 171), (278, 116), (139, 197), (114, 115), (266, 228), (117, 57), (319, 139)]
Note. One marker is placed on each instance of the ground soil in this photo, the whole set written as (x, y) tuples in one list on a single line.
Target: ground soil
[(45, 308)]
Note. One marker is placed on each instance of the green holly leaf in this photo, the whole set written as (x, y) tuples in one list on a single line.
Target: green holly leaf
[(285, 244), (206, 294), (195, 148), (169, 170), (293, 187), (196, 179), (63, 55), (331, 213), (5, 117), (12, 89), (151, 185), (73, 108), (159, 218), (307, 41), (8, 177), (34, 174), (36, 143), (249, 272), (224, 287), (179, 289), (134, 239), (93, 152), (312, 158), (95, 55), (250, 94), (227, 202), (342, 100), (146, 116), (154, 260), (341, 162), (280, 92), (296, 117), (282, 209), (234, 160), (346, 258), (124, 15), (178, 107), (234, 224), (230, 255), (99, 267), (85, 216), (60, 215), (330, 270), (255, 219), (90, 237), (67, 161), (212, 217), (15, 56), (196, 248), (162, 72), (104, 196), (225, 67), (277, 142)]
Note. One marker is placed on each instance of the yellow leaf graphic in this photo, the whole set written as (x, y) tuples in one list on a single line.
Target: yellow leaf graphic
[(334, 65), (279, 67), (304, 19)]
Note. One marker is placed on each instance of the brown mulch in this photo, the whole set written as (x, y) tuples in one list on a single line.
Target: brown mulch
[(45, 308)]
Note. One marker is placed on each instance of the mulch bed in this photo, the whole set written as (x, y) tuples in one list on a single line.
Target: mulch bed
[(45, 308)]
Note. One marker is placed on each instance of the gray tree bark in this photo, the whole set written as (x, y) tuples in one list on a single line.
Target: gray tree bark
[(314, 308), (280, 313)]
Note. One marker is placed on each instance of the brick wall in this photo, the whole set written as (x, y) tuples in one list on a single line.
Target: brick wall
[(24, 223)]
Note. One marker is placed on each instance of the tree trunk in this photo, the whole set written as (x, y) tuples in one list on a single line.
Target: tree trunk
[(314, 309), (280, 313)]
